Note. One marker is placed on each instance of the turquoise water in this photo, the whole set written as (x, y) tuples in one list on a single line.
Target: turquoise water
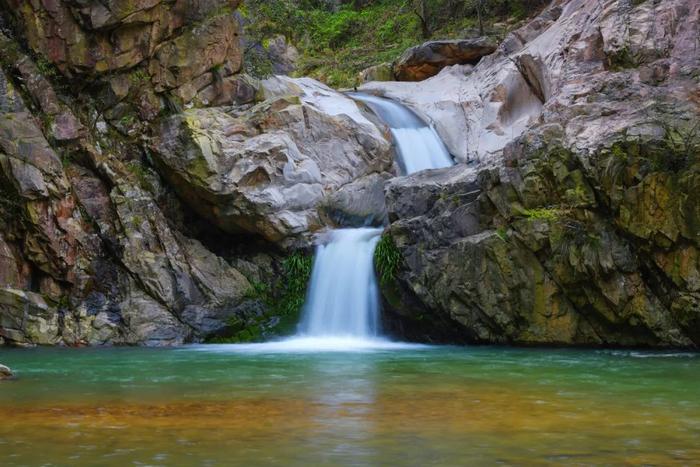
[(224, 405)]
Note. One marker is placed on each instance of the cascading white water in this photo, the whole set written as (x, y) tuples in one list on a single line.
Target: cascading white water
[(343, 297), (342, 303), (418, 145)]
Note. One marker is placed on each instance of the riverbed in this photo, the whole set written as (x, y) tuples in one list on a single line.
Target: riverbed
[(372, 405)]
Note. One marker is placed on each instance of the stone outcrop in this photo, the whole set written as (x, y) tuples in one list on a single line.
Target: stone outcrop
[(426, 60), (92, 250), (381, 72), (576, 222), (139, 55), (5, 372), (266, 171)]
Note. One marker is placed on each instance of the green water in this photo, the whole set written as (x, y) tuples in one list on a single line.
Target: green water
[(420, 406)]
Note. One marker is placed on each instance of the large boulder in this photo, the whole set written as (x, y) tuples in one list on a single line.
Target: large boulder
[(426, 60), (265, 171)]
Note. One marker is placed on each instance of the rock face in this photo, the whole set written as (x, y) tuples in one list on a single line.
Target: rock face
[(94, 247), (577, 220), (426, 60), (127, 220), (139, 55), (267, 170)]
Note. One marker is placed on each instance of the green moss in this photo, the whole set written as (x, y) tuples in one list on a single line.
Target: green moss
[(283, 303), (387, 259), (502, 234), (140, 172), (138, 77), (550, 214)]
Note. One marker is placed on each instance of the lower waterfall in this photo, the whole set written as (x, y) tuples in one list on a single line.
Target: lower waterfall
[(343, 297)]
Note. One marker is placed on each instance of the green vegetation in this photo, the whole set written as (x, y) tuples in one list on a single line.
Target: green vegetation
[(336, 44), (677, 150), (283, 302), (387, 259), (549, 214)]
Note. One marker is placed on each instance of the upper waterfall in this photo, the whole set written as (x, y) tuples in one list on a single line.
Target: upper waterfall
[(418, 145)]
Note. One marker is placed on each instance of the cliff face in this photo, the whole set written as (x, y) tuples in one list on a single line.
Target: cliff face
[(126, 220), (576, 218), (150, 192)]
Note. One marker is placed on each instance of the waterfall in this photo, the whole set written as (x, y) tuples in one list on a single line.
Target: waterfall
[(343, 297), (342, 305), (418, 145)]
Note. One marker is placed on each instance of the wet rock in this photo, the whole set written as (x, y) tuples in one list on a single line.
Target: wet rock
[(426, 60), (576, 220), (358, 203), (5, 373), (26, 318)]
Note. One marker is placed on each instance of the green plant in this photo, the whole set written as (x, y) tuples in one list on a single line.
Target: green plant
[(138, 77), (46, 68), (502, 234), (282, 300), (549, 214), (387, 259)]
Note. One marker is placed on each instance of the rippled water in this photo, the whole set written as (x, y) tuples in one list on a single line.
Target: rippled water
[(272, 405)]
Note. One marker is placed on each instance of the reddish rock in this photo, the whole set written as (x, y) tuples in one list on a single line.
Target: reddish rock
[(426, 60)]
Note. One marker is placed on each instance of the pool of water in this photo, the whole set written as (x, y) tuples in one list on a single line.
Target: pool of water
[(383, 405)]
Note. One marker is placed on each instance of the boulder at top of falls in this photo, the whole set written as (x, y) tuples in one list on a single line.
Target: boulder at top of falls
[(426, 60), (5, 372)]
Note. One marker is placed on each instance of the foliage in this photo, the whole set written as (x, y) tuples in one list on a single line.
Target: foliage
[(283, 302), (337, 43), (549, 214), (387, 259)]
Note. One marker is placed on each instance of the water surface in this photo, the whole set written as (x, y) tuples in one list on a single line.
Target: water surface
[(378, 405)]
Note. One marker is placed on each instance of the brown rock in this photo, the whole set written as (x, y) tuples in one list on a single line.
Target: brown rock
[(426, 60)]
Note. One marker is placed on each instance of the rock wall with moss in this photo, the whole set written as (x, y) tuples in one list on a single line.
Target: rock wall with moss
[(574, 219), (95, 246)]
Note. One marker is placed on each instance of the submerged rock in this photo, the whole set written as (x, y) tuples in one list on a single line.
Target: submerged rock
[(5, 372), (426, 60)]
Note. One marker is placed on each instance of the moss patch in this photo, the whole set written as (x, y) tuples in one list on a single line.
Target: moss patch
[(283, 302)]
